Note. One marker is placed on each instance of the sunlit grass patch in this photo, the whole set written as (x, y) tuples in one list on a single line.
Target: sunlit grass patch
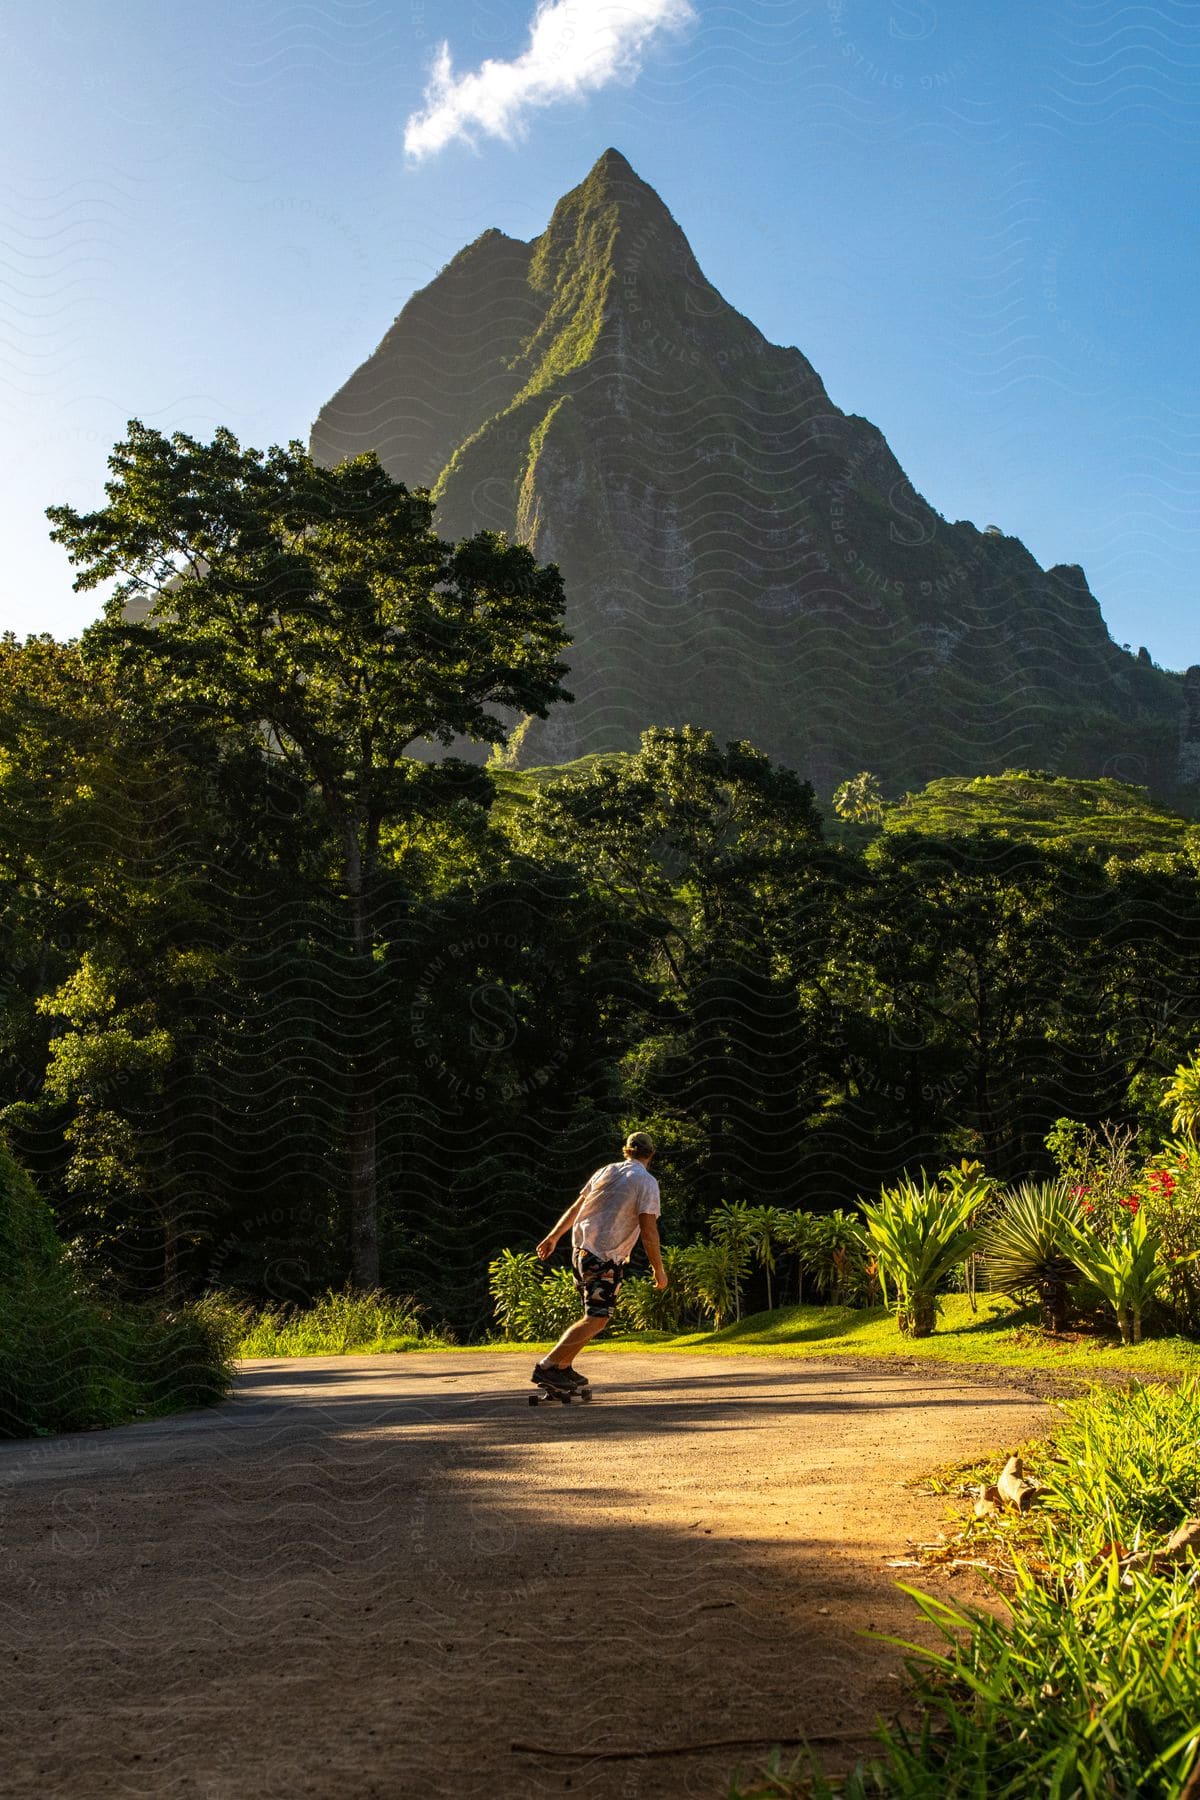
[(338, 1325)]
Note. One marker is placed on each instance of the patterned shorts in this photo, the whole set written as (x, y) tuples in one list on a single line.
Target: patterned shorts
[(598, 1281)]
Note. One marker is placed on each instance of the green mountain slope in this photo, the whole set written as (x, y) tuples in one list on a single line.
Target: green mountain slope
[(738, 552)]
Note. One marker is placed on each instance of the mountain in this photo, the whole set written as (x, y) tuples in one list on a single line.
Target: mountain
[(738, 552)]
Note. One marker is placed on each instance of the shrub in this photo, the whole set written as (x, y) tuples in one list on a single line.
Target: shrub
[(1024, 1247), (648, 1308), (1125, 1271), (1169, 1191), (712, 1277), (531, 1302), (69, 1360), (833, 1254), (335, 1324), (920, 1234), (738, 1228)]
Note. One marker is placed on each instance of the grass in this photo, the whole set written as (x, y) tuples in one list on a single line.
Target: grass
[(1089, 1683), (1000, 1335), (338, 1325)]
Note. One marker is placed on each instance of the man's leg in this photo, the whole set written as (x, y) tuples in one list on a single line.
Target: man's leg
[(572, 1342)]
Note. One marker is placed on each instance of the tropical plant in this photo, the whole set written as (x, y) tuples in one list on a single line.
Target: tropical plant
[(1170, 1203), (531, 1302), (969, 1179), (831, 1252), (1183, 1097), (764, 1226), (920, 1234), (713, 1274), (650, 1308), (734, 1226), (1024, 1247), (1125, 1270)]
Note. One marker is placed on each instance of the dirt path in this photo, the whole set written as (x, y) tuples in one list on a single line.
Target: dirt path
[(368, 1576)]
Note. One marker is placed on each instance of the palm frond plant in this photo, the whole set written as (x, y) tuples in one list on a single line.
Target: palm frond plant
[(714, 1273), (764, 1224), (920, 1232), (649, 1308), (1183, 1097), (1127, 1270), (531, 1302), (732, 1226), (970, 1177), (1024, 1247), (833, 1253)]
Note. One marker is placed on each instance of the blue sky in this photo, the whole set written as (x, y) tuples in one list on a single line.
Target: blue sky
[(977, 222)]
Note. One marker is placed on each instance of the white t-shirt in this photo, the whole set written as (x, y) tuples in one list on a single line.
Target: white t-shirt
[(613, 1199)]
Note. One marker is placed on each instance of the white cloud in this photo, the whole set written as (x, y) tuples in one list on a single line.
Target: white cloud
[(574, 47)]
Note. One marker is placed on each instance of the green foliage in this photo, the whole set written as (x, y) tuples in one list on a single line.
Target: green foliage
[(313, 615), (337, 1325), (645, 1307), (1087, 1682), (832, 1254), (69, 1362), (1106, 818), (532, 1302), (1024, 1248), (746, 1232), (1183, 1097), (861, 799), (1169, 1190), (1126, 1270), (29, 1245), (712, 1276), (920, 1234)]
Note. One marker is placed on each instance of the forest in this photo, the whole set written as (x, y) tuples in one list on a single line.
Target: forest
[(307, 986)]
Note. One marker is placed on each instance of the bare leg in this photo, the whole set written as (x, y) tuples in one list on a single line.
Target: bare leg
[(572, 1342)]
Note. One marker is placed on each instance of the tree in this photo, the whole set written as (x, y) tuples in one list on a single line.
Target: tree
[(860, 798), (318, 609)]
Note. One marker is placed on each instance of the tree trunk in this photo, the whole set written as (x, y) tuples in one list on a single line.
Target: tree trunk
[(361, 1145), (364, 1221), (921, 1315), (1055, 1305)]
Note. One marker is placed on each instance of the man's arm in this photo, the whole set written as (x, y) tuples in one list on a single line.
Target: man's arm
[(648, 1226), (549, 1244)]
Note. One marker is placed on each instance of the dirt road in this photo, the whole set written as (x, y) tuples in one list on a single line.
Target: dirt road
[(370, 1576)]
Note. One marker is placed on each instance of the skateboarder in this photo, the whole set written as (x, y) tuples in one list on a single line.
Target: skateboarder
[(617, 1206)]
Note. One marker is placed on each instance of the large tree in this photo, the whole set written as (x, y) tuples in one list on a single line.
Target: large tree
[(318, 609)]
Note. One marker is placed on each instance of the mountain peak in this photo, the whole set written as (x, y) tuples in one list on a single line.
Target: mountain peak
[(612, 163), (734, 546)]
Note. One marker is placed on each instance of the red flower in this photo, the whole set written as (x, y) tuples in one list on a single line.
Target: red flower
[(1077, 1193), (1088, 1207)]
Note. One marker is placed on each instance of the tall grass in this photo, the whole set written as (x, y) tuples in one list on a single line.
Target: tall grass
[(1090, 1686), (334, 1326)]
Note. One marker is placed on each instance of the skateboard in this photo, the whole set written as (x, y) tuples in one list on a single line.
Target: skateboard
[(565, 1395)]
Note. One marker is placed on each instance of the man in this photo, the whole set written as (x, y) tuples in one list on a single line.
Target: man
[(617, 1206)]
